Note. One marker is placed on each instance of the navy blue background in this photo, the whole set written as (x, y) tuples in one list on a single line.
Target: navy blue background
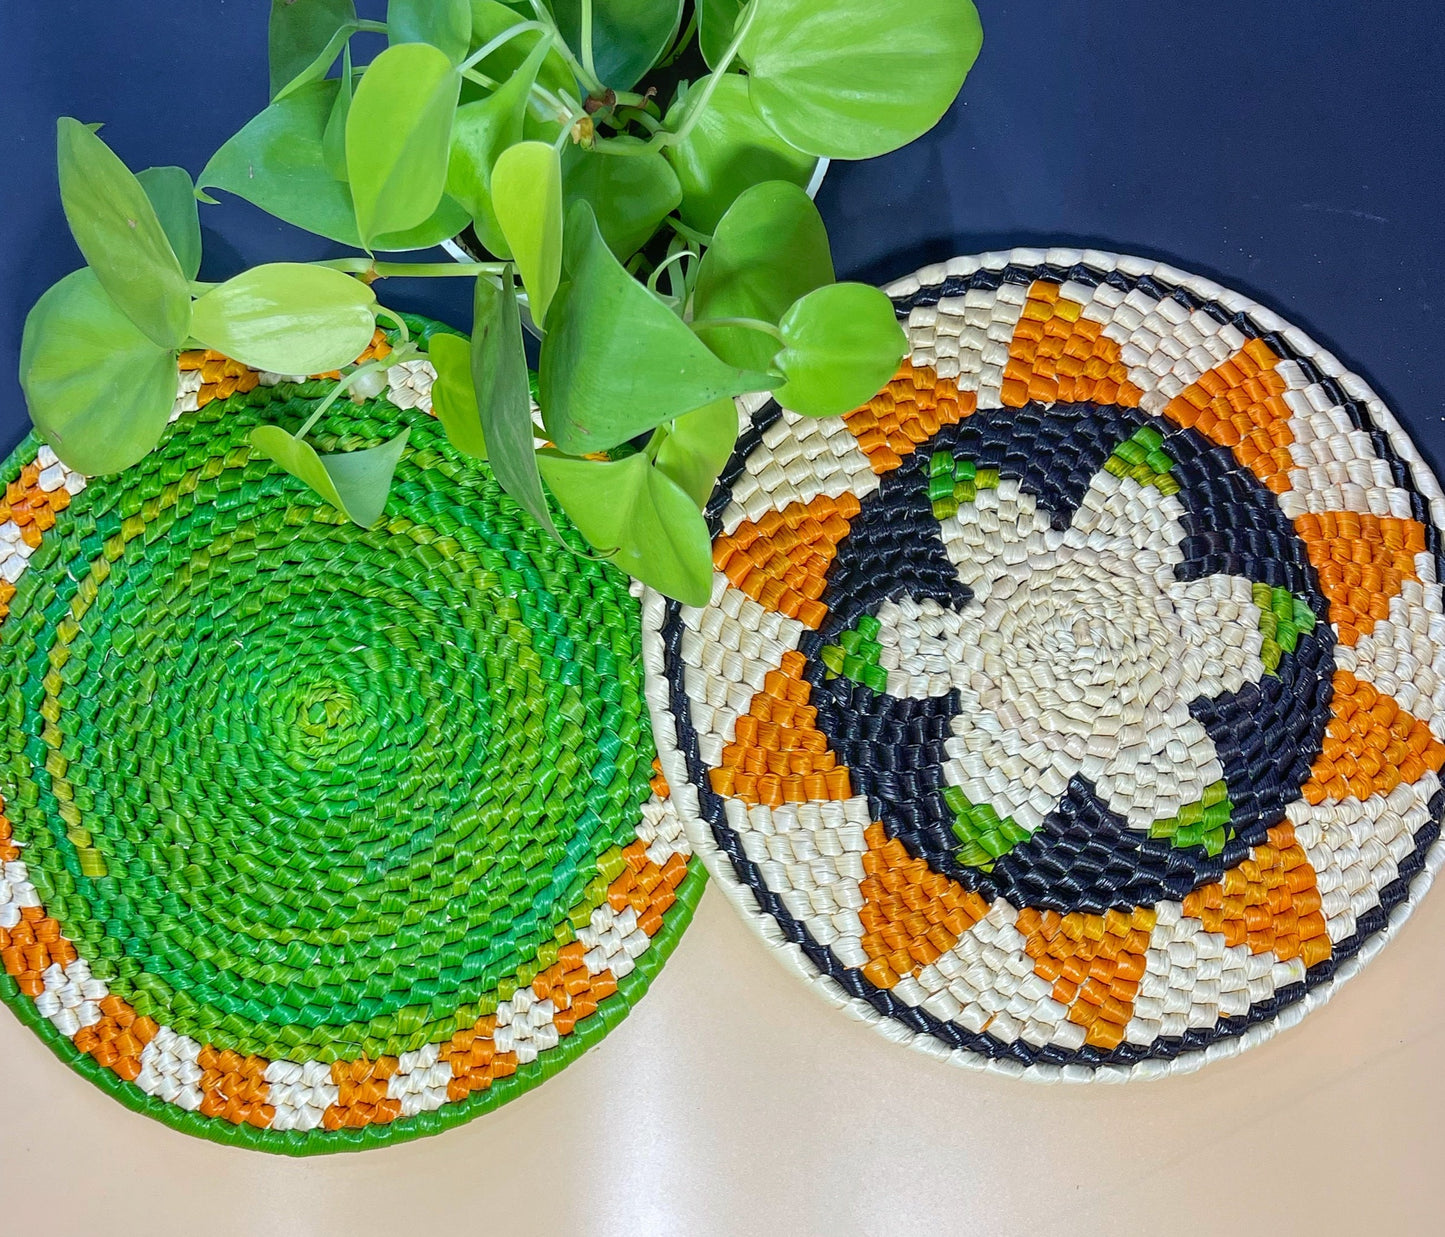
[(1292, 150)]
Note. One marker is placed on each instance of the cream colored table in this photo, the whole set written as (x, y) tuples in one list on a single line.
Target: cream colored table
[(734, 1102)]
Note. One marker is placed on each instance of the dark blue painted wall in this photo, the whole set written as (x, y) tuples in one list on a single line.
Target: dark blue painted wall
[(1293, 149)]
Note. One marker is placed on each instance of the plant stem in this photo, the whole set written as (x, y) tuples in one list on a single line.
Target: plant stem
[(695, 106), (335, 393), (418, 270), (687, 233), (695, 109), (551, 101), (481, 79), (507, 35), (749, 324), (370, 27), (583, 75), (633, 146), (666, 262), (396, 320), (627, 112), (587, 60)]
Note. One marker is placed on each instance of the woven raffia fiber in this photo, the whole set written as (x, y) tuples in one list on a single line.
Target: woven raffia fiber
[(1075, 708), (317, 837)]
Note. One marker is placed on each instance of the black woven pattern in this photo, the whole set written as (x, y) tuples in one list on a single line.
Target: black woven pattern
[(1083, 857)]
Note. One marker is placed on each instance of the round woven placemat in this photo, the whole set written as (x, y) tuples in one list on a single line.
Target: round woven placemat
[(316, 837), (1075, 708)]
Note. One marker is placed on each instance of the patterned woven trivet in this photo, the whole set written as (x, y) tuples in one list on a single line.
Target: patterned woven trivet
[(317, 838), (1073, 709)]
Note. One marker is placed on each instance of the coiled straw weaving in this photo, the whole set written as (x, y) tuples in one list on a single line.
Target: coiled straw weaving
[(315, 837), (1075, 708)]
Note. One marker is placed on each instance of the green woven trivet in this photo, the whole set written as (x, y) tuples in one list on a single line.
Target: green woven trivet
[(318, 837)]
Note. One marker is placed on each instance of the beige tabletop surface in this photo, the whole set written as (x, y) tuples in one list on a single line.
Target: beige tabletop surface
[(735, 1102)]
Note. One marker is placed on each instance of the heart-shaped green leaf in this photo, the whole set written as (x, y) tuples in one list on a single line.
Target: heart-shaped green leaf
[(697, 446), (858, 78), (117, 230), (616, 360), (491, 18), (397, 134), (333, 140), (174, 197), (298, 32), (356, 483), (628, 36), (504, 395), (639, 518), (445, 24), (630, 195), (716, 20), (288, 318), (482, 131), (728, 150), (278, 162), (527, 199), (453, 397), (100, 392), (769, 249), (841, 345)]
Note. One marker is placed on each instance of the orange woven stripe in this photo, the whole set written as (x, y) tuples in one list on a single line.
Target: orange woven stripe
[(781, 561), (221, 377), (474, 1059), (1362, 560), (1056, 354), (911, 913), (1270, 902), (234, 1087), (650, 890), (658, 783), (1239, 404), (118, 1039), (645, 887), (1095, 963), (33, 510), (8, 849), (907, 413), (1371, 745), (778, 755), (32, 945)]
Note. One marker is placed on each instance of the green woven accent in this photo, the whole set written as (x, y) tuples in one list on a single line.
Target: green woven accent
[(985, 836), (856, 654), (304, 790), (1142, 457), (1282, 617), (1205, 823), (952, 482)]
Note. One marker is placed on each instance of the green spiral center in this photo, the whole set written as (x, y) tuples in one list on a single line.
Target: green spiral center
[(303, 789)]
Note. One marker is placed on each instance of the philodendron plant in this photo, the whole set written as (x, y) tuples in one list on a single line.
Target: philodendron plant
[(667, 255)]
